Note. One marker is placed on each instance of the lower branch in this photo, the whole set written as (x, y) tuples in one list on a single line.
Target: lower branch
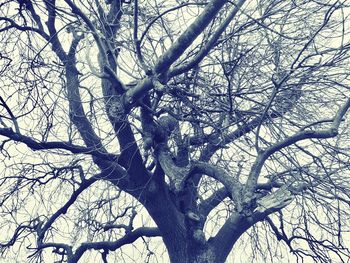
[(64, 208), (114, 245)]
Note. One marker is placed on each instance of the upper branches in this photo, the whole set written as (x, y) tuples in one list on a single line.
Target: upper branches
[(188, 36), (210, 44), (177, 49), (302, 135)]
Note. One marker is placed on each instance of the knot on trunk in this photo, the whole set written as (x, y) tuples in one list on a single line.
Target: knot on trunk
[(199, 236), (115, 109)]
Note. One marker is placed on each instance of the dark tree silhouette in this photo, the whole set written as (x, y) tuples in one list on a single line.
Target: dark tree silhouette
[(131, 128)]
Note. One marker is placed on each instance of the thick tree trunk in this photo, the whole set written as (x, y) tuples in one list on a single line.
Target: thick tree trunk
[(168, 219), (183, 238), (192, 253), (195, 256)]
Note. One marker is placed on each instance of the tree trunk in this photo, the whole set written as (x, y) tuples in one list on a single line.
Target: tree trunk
[(192, 253), (183, 238), (205, 256)]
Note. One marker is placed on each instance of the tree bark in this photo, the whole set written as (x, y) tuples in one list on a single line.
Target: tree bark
[(183, 236)]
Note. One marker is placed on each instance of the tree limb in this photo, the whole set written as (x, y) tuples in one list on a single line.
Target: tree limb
[(209, 45), (188, 36), (35, 145), (85, 184), (174, 52), (56, 44), (302, 135), (113, 245), (207, 205)]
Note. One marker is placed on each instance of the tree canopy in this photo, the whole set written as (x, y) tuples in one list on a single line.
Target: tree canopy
[(182, 131)]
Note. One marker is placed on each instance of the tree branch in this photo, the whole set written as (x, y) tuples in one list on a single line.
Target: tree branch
[(101, 47), (209, 45), (320, 134), (273, 202), (179, 175), (85, 184), (302, 135), (238, 223), (56, 44), (207, 205), (35, 145), (231, 184), (187, 37), (13, 24), (164, 13), (174, 52), (9, 111), (76, 109), (228, 234), (137, 42), (65, 247), (113, 245)]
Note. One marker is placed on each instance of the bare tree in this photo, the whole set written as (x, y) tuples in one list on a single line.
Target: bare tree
[(208, 127)]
